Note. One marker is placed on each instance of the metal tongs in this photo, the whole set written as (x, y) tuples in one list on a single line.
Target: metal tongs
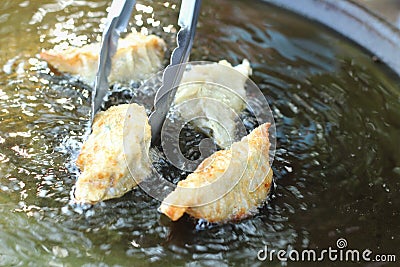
[(173, 73), (117, 21)]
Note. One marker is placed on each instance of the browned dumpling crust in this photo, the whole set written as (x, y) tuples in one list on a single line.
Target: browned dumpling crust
[(110, 167), (228, 185), (137, 57)]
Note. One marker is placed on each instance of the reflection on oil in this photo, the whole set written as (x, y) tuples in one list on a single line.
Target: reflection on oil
[(337, 164)]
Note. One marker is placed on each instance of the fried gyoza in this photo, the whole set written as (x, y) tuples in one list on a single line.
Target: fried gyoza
[(214, 94), (104, 158), (228, 185), (136, 57)]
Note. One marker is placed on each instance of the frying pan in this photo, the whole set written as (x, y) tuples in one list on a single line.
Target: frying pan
[(355, 23)]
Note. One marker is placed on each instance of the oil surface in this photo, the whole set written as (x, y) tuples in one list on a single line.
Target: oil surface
[(337, 165)]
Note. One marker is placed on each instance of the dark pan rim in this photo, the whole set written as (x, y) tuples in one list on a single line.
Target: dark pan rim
[(354, 22)]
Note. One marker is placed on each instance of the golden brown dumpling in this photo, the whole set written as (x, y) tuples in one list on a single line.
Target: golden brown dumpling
[(228, 185), (104, 158), (136, 57)]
